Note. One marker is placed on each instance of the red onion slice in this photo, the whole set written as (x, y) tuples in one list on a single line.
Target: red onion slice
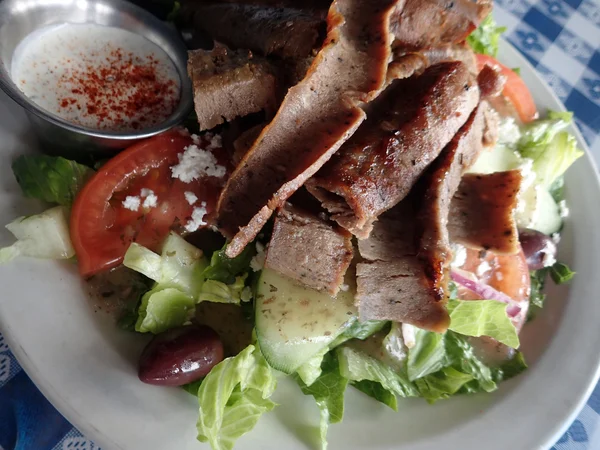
[(487, 292)]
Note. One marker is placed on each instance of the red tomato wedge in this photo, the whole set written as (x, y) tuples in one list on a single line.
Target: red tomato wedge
[(514, 90), (102, 229)]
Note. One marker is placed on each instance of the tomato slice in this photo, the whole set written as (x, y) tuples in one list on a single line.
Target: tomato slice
[(102, 229), (515, 89)]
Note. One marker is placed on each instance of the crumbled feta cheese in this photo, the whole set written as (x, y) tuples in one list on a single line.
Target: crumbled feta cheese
[(190, 197), (215, 142), (555, 238), (197, 219), (132, 203), (194, 163), (508, 132), (146, 192), (150, 201), (563, 210), (196, 139), (258, 261), (344, 287), (408, 335), (459, 255), (483, 268), (548, 259)]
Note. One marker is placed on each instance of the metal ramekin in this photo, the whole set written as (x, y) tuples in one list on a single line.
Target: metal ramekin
[(19, 18)]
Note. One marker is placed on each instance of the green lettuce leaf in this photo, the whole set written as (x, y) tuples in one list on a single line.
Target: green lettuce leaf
[(49, 178), (561, 273), (428, 354), (328, 391), (510, 368), (358, 366), (164, 308), (232, 398), (218, 292), (551, 148), (362, 330), (378, 392), (483, 318), (225, 269), (45, 235), (461, 357), (486, 37), (311, 369), (442, 384), (180, 264)]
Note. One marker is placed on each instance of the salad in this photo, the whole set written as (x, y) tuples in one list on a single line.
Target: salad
[(375, 210)]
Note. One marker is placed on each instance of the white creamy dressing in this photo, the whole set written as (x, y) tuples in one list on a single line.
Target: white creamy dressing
[(136, 83)]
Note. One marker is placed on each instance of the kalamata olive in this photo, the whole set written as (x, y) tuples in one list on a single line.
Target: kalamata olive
[(538, 247), (180, 356)]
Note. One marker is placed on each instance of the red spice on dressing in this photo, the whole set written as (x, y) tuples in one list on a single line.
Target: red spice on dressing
[(101, 77)]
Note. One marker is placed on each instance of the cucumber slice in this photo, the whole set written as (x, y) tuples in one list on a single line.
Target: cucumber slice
[(294, 323)]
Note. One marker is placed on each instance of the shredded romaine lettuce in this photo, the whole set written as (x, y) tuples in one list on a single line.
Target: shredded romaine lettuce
[(551, 148), (164, 308), (49, 178), (225, 269), (358, 366), (486, 37), (427, 356), (44, 235), (442, 384), (311, 369), (483, 318), (233, 396), (561, 273), (328, 391), (219, 292)]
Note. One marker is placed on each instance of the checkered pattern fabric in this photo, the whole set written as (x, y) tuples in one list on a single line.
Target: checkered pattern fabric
[(560, 38)]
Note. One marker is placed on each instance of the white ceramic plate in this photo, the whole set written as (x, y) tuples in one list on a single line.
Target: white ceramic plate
[(87, 368)]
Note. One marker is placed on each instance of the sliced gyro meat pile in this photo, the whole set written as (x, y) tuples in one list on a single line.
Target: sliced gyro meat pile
[(316, 117)]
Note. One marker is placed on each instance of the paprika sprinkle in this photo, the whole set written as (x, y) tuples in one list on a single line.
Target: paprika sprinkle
[(98, 77)]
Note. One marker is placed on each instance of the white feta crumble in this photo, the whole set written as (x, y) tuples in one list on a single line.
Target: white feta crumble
[(196, 139), (555, 238), (151, 201), (197, 219), (563, 210), (216, 142), (132, 203), (408, 335), (508, 131), (146, 192), (548, 259), (190, 197), (344, 287), (194, 163), (258, 261), (483, 268), (459, 256), (246, 294)]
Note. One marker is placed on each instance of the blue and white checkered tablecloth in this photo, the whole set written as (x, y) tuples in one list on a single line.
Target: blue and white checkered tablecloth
[(560, 38)]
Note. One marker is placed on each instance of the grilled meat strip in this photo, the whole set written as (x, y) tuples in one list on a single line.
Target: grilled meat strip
[(316, 117), (411, 123)]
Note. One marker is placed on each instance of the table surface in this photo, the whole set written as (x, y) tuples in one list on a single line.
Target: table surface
[(561, 38)]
